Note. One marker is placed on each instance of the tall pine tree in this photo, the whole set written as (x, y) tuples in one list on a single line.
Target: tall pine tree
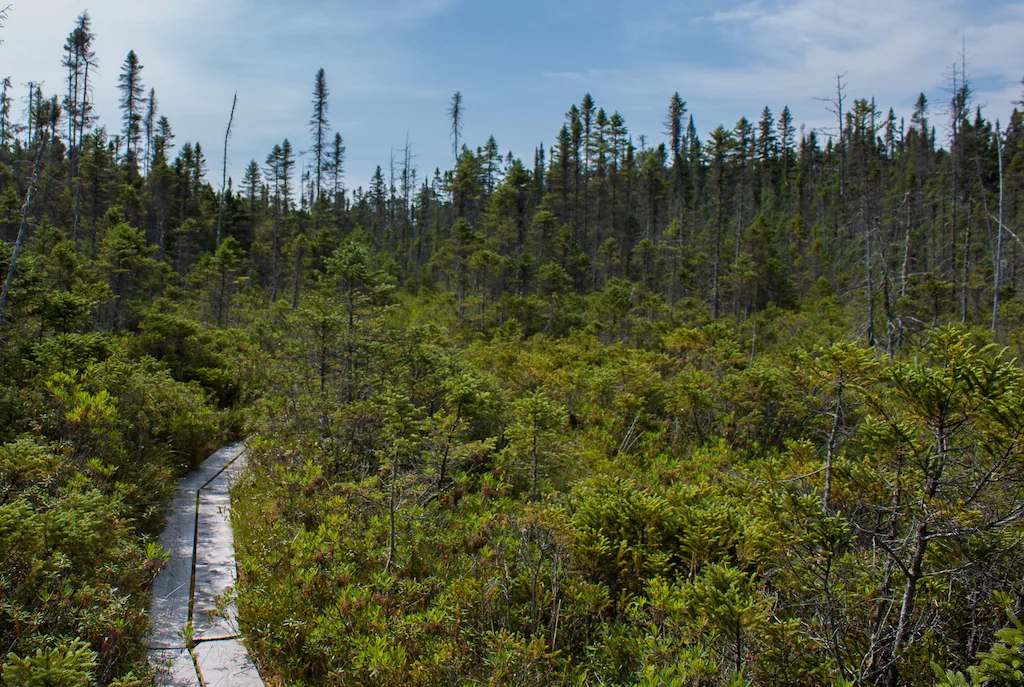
[(132, 103)]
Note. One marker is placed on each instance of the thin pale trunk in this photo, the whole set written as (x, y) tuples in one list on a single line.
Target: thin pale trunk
[(274, 269), (999, 239), (77, 122), (739, 241), (25, 209), (224, 177), (906, 257), (966, 271), (296, 276), (536, 464), (716, 307), (909, 593), (447, 450), (31, 99), (833, 442), (392, 493), (350, 345), (220, 298), (893, 329), (871, 288), (915, 569), (161, 227)]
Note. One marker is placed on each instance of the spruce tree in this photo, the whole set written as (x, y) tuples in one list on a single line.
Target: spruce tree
[(787, 137), (719, 150), (564, 166), (164, 136), (455, 112), (73, 63), (674, 129), (84, 110), (132, 103), (491, 157), (319, 128), (275, 173), (252, 182), (287, 162), (6, 127), (149, 127), (336, 164), (767, 143)]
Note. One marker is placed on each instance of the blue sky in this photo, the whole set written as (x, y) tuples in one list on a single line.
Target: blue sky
[(392, 65)]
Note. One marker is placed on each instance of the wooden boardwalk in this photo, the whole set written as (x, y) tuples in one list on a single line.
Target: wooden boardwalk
[(192, 643)]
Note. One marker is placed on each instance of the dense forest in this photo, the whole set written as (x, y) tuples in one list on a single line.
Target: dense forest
[(735, 408)]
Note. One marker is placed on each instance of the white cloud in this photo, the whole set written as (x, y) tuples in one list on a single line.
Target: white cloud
[(197, 53), (789, 52), (748, 11), (728, 59)]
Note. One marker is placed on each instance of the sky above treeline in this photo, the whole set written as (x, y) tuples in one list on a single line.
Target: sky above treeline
[(392, 65)]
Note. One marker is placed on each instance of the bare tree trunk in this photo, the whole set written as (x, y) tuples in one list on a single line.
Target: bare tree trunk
[(716, 307), (25, 209), (906, 256), (536, 465), (224, 177), (296, 277), (220, 297), (833, 442), (392, 494), (907, 605), (871, 288), (892, 328), (966, 271), (915, 570), (999, 239), (31, 98), (274, 267)]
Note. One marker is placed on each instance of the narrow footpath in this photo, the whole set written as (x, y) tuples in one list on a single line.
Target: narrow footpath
[(193, 642)]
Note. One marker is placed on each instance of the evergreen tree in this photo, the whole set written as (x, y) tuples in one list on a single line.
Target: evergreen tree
[(336, 165), (132, 103), (86, 59), (719, 149), (674, 129), (787, 133), (767, 143), (252, 186), (319, 128), (6, 124), (149, 125), (286, 159), (456, 112)]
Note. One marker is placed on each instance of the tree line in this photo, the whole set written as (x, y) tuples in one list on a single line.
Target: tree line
[(734, 408)]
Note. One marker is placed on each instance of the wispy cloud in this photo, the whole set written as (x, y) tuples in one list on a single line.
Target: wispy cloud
[(392, 64), (564, 76), (197, 53), (745, 12), (790, 51)]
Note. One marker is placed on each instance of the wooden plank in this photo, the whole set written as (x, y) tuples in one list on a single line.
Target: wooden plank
[(226, 663)]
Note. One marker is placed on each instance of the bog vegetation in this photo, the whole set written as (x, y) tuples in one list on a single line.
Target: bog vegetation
[(743, 409)]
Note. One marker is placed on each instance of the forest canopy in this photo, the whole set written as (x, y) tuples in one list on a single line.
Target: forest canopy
[(734, 408)]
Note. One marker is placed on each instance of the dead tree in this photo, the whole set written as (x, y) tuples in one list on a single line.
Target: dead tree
[(224, 178)]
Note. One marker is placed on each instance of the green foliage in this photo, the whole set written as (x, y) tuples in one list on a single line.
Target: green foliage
[(534, 446), (64, 666), (1002, 665), (676, 531), (92, 440), (685, 415)]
